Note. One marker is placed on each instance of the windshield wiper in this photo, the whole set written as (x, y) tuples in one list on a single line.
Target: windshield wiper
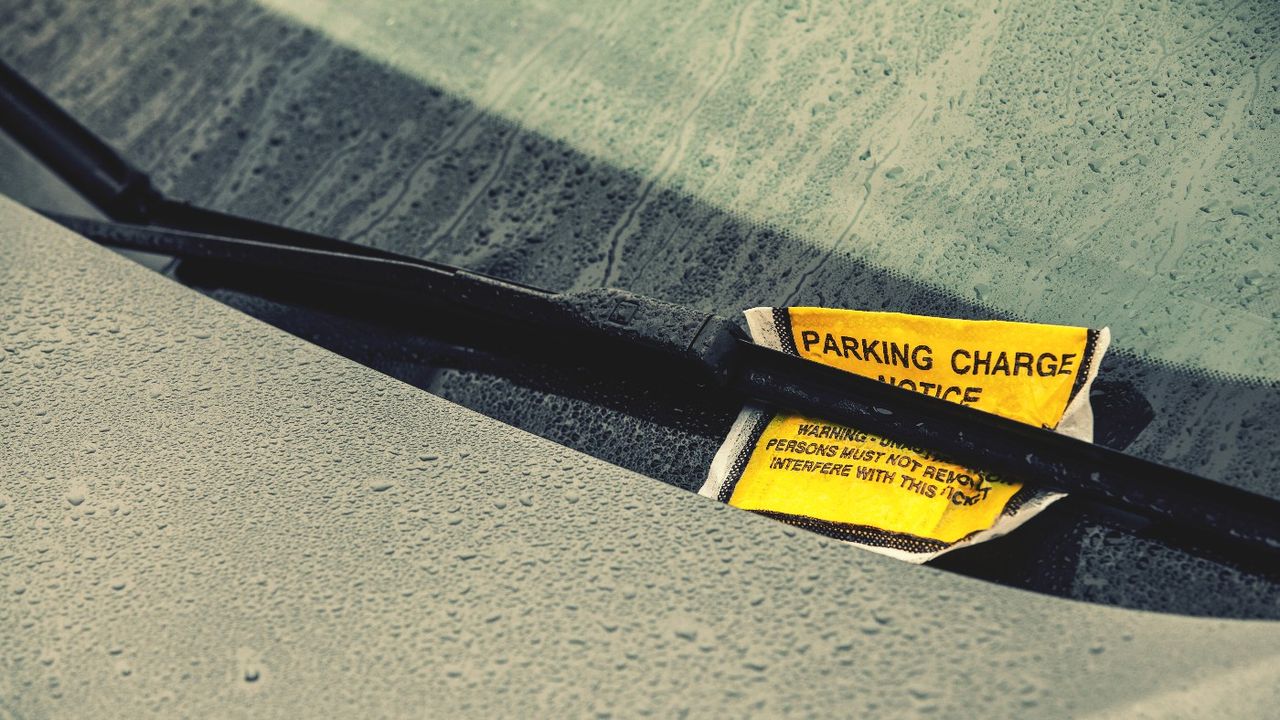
[(642, 329)]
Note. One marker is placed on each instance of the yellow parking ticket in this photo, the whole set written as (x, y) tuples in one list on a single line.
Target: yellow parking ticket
[(870, 491)]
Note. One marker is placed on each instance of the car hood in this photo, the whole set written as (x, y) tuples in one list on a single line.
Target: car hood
[(201, 515)]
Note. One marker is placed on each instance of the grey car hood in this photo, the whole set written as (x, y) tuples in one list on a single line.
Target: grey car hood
[(201, 515)]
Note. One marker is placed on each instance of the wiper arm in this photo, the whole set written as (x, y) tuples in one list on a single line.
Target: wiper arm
[(704, 344)]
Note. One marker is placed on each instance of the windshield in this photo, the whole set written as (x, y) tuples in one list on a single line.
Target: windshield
[(1077, 166)]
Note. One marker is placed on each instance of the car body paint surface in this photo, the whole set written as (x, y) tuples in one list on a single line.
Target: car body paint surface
[(202, 515)]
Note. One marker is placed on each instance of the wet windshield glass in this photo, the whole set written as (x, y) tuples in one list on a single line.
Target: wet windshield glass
[(1078, 165)]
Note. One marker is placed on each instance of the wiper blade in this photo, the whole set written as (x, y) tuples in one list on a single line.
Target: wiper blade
[(706, 345)]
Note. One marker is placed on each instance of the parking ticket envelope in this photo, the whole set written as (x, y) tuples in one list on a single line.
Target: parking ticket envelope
[(873, 492)]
